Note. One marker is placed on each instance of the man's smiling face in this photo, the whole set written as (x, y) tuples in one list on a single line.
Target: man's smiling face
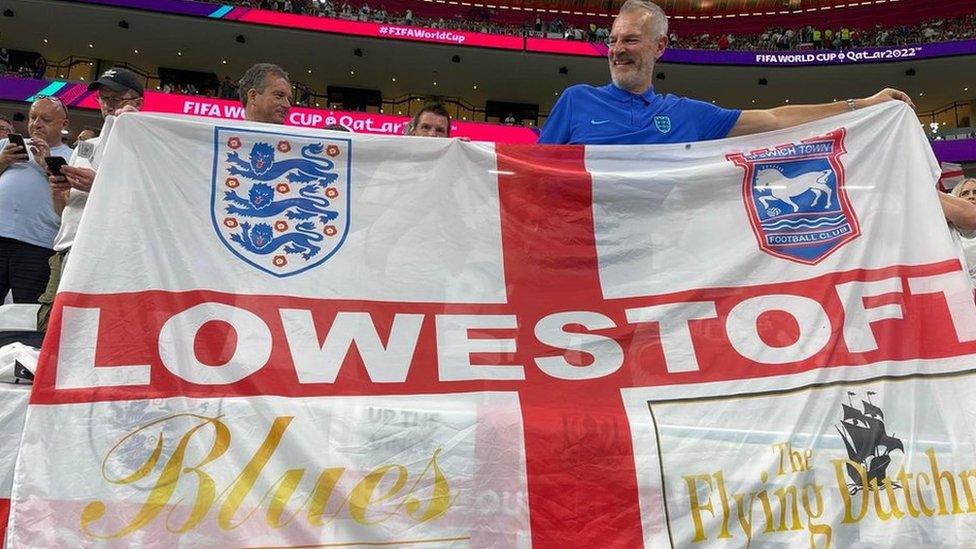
[(633, 50)]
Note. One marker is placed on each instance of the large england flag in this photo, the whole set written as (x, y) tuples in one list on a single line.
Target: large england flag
[(276, 337)]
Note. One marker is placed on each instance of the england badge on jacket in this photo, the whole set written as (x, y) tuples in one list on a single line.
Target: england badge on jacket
[(280, 202), (795, 198)]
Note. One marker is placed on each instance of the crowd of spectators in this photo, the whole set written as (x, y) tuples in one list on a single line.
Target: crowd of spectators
[(32, 66), (840, 37), (207, 87), (481, 20), (474, 19), (228, 89)]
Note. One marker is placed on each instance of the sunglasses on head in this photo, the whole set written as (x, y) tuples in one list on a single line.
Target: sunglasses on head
[(53, 99)]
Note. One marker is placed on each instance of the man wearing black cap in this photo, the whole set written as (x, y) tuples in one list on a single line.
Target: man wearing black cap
[(118, 90)]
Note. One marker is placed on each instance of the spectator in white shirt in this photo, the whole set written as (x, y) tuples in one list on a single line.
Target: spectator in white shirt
[(119, 90)]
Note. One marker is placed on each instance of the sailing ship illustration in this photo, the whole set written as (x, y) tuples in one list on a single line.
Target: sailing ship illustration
[(867, 443)]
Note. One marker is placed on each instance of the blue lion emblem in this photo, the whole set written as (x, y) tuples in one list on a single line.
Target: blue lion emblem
[(260, 239), (262, 165), (280, 202), (311, 172), (261, 203)]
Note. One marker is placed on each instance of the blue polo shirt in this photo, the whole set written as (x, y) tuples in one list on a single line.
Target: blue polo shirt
[(608, 115), (26, 213)]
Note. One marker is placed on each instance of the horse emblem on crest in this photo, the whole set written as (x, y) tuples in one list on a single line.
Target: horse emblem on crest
[(795, 198), (280, 202)]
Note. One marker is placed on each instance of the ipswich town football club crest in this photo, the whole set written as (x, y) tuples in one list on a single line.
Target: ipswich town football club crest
[(795, 198), (280, 202)]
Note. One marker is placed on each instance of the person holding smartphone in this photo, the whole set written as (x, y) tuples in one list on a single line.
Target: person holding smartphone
[(28, 223), (118, 90)]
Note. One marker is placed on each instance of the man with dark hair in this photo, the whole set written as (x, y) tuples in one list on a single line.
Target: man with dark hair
[(6, 126), (118, 90), (628, 111), (28, 224), (265, 92), (432, 120)]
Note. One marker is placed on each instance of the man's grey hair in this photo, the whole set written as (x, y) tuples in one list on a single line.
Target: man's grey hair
[(659, 25), (256, 78)]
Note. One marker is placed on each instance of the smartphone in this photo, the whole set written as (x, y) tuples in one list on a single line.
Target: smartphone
[(54, 164), (17, 139)]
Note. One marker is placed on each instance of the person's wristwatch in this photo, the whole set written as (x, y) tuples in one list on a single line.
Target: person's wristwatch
[(852, 104)]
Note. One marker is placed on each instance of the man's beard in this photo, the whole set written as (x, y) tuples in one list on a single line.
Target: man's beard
[(629, 80)]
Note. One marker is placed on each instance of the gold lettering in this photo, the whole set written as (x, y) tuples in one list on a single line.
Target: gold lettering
[(839, 466), (926, 510), (781, 449), (324, 487), (798, 461), (964, 478), (724, 499), (904, 477), (248, 476), (284, 488), (937, 478), (884, 515), (815, 529), (788, 502), (369, 492), (440, 500), (696, 508), (165, 485), (745, 522), (767, 511), (362, 494)]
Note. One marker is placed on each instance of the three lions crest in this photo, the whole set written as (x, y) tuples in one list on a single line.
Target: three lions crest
[(280, 202)]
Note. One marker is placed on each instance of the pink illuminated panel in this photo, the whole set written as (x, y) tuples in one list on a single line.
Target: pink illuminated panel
[(565, 47), (382, 30), (358, 122)]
